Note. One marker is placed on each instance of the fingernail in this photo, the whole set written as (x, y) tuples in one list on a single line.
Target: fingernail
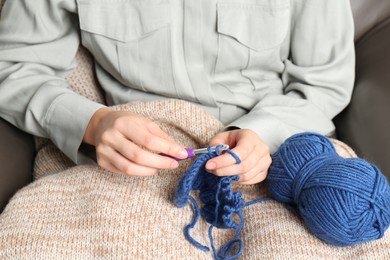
[(183, 154), (211, 165)]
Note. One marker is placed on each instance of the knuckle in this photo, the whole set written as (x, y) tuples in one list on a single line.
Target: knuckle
[(249, 132), (172, 150), (152, 172), (243, 167), (139, 156), (99, 151), (118, 123), (166, 164), (106, 137), (149, 141), (262, 175), (243, 155), (152, 125), (128, 169), (244, 178)]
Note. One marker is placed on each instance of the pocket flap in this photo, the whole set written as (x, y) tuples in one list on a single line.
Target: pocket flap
[(122, 21), (259, 25)]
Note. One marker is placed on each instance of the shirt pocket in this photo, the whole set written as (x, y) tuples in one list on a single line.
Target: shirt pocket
[(131, 40), (259, 25), (249, 33)]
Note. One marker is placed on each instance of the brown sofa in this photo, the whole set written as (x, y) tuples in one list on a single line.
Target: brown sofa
[(363, 124)]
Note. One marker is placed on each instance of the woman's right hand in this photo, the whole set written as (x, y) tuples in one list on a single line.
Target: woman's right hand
[(120, 138)]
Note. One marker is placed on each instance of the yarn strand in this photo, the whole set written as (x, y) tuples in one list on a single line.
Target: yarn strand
[(220, 203), (224, 251), (192, 225)]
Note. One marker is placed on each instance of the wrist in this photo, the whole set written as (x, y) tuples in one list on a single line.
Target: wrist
[(93, 124)]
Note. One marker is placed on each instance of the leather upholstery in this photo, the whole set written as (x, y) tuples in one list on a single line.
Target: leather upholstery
[(365, 123), (367, 14), (16, 160)]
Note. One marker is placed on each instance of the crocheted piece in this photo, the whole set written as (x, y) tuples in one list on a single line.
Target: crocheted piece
[(220, 202)]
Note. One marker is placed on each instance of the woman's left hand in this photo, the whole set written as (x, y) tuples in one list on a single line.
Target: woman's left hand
[(252, 151)]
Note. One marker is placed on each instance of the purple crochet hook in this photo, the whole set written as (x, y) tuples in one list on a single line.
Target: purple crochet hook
[(193, 152)]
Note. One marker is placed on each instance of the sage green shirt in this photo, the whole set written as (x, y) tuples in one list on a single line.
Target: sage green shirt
[(277, 67)]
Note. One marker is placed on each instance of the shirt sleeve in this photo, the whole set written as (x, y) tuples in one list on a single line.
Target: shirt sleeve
[(318, 76), (38, 44)]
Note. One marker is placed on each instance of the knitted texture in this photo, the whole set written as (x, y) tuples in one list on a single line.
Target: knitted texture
[(342, 201), (86, 212)]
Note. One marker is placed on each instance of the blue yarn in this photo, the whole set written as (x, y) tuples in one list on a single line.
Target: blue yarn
[(220, 203), (192, 225), (225, 249), (341, 201)]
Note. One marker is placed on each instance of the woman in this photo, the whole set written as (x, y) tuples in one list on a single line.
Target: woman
[(266, 68)]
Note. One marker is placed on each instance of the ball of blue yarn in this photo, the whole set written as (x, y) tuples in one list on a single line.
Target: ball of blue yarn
[(341, 201)]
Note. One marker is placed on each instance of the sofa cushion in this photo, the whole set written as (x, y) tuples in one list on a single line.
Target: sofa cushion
[(367, 14)]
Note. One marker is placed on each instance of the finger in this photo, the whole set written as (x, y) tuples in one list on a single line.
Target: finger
[(112, 160), (258, 174), (134, 153), (154, 142), (241, 168), (108, 166), (112, 168), (156, 130), (258, 177), (142, 157), (227, 159)]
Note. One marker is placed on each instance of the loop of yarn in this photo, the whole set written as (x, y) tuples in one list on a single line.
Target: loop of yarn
[(220, 203), (341, 201)]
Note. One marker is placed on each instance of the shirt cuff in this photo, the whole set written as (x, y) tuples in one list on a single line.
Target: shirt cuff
[(271, 130), (66, 121)]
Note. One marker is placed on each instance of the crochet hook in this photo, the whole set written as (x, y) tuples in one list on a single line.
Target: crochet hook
[(194, 152)]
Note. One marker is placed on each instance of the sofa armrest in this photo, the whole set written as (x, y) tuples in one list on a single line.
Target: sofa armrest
[(365, 123), (17, 153)]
